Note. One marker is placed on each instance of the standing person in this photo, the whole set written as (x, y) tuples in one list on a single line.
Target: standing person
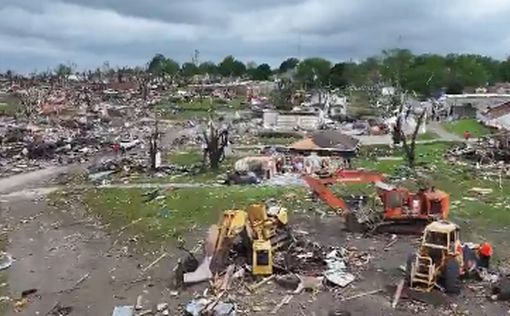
[(467, 135)]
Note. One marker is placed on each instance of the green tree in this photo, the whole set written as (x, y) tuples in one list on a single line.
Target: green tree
[(396, 64), (288, 64), (262, 72), (314, 72), (337, 75), (63, 71), (231, 67), (208, 67), (156, 64), (161, 66), (189, 70), (504, 70)]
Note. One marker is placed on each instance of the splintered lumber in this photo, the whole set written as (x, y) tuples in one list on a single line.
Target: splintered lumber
[(398, 292), (155, 262), (361, 295), (264, 281), (284, 301)]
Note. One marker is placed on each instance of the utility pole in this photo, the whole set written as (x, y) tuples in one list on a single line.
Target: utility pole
[(195, 59)]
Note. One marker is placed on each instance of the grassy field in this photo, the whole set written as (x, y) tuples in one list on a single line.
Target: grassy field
[(427, 136), (181, 210), (473, 126), (197, 109), (481, 216), (8, 109)]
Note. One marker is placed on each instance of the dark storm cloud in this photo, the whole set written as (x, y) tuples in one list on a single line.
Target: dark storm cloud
[(37, 34)]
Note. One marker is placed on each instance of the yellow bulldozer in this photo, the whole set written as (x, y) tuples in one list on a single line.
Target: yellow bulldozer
[(259, 230), (442, 259)]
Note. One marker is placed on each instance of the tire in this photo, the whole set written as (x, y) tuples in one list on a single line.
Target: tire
[(451, 276)]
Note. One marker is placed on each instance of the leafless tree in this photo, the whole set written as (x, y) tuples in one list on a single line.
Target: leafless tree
[(216, 140), (403, 112)]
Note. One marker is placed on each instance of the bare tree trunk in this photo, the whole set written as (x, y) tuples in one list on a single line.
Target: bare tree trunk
[(410, 149), (215, 146)]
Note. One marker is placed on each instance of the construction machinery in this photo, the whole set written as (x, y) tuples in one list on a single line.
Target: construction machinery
[(399, 205), (255, 233), (442, 259)]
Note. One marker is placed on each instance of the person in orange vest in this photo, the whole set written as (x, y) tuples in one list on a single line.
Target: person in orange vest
[(485, 253), (467, 135), (476, 257)]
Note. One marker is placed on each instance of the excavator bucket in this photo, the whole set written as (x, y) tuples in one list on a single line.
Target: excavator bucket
[(203, 272)]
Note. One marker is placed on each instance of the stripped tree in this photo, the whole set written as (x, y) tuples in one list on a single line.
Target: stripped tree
[(402, 111), (215, 143)]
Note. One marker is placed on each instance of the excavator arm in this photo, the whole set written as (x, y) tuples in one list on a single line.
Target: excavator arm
[(326, 195), (319, 185)]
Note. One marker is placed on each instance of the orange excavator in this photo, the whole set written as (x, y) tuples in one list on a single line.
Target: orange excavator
[(400, 206)]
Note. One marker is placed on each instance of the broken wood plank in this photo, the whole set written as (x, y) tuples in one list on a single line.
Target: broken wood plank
[(398, 293), (284, 301), (155, 262), (390, 244), (361, 295), (264, 281)]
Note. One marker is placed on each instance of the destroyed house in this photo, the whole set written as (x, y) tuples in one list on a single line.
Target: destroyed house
[(463, 111), (327, 143), (498, 117)]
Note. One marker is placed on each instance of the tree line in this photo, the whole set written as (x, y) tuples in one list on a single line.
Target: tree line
[(425, 74)]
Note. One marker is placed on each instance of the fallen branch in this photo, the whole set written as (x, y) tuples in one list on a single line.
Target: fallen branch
[(155, 262), (361, 295)]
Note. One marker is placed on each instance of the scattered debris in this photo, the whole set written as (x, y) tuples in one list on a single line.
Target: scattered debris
[(6, 260), (123, 311), (286, 300), (336, 272), (361, 295), (60, 310)]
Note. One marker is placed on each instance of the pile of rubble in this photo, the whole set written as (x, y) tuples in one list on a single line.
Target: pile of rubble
[(302, 266), (489, 152), (66, 122)]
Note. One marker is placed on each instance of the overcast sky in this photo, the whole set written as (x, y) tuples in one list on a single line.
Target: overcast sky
[(37, 34)]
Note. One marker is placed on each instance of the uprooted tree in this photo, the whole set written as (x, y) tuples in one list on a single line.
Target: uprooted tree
[(215, 143)]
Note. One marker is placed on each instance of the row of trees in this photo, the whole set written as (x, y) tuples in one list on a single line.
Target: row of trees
[(228, 67), (426, 74)]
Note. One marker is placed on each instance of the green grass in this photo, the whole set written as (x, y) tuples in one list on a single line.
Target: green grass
[(427, 136), (9, 109), (185, 158), (473, 126), (480, 216), (197, 109), (185, 209)]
